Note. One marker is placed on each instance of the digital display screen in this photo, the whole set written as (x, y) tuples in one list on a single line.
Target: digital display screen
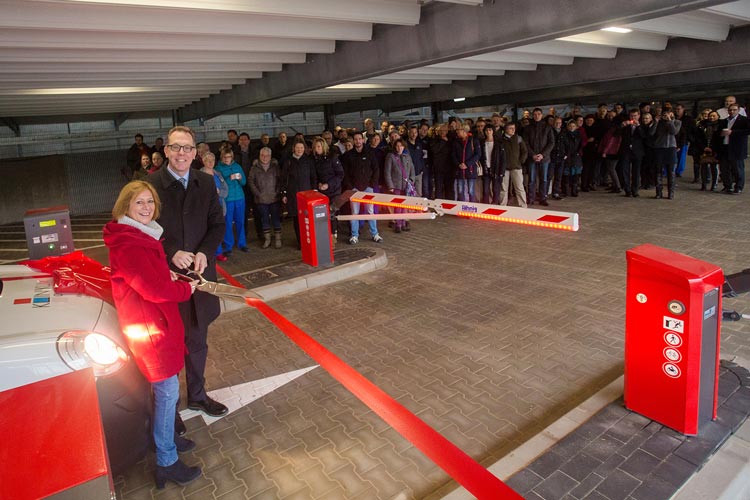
[(47, 223)]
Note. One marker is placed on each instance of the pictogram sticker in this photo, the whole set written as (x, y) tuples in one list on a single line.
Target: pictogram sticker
[(675, 324), (673, 339), (672, 355), (672, 370)]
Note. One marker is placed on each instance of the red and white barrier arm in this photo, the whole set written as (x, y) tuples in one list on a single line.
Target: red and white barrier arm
[(549, 219), (460, 466), (404, 215)]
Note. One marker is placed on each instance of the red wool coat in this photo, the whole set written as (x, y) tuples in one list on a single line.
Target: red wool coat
[(146, 299)]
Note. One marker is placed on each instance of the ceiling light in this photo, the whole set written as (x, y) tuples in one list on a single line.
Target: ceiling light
[(615, 29), (82, 90), (459, 99)]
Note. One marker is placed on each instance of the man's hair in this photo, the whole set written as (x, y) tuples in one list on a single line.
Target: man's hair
[(231, 131), (265, 149), (183, 129), (245, 134), (601, 104), (139, 135), (634, 110), (356, 133), (537, 109), (130, 191), (509, 124)]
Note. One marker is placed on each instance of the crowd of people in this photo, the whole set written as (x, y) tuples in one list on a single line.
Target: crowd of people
[(493, 160)]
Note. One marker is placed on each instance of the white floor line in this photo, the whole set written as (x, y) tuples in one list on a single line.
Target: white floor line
[(529, 451)]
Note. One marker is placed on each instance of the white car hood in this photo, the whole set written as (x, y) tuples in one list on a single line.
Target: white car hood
[(29, 306)]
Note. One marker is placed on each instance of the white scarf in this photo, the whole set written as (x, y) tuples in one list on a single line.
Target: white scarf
[(152, 228)]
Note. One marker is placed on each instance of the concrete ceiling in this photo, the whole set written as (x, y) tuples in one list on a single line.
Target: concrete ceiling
[(202, 58)]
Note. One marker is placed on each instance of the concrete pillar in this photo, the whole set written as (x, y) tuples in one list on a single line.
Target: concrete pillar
[(437, 112), (329, 116)]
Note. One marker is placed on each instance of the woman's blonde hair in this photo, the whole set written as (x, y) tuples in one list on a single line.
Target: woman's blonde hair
[(130, 191), (322, 141)]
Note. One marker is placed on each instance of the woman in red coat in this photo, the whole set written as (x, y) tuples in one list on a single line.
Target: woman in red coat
[(146, 294)]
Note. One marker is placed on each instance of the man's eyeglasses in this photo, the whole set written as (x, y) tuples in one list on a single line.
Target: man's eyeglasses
[(176, 148)]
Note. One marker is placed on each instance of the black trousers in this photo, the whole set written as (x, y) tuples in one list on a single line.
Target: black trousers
[(197, 347), (444, 185), (631, 173), (665, 163)]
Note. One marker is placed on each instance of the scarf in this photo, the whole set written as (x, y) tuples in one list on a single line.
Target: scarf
[(152, 228)]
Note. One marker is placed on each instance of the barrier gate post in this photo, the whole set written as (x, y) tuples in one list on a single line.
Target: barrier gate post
[(672, 327), (315, 235)]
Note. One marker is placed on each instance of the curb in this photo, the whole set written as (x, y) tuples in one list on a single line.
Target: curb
[(315, 279)]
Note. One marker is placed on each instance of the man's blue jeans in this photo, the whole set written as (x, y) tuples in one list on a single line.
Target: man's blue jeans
[(538, 171), (272, 210), (166, 394), (370, 208), (469, 183)]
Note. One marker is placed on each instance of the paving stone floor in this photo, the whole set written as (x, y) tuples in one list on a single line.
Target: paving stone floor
[(487, 331), (621, 455)]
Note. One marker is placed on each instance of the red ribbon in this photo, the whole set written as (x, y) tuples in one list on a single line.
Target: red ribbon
[(460, 466)]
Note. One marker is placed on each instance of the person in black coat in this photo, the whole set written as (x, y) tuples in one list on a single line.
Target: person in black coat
[(297, 174), (442, 164), (632, 151), (330, 174), (730, 140), (361, 173), (193, 225), (493, 165)]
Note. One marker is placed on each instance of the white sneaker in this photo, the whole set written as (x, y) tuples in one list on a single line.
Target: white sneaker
[(353, 240), (377, 238)]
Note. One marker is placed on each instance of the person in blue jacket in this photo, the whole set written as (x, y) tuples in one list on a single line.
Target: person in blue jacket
[(235, 179)]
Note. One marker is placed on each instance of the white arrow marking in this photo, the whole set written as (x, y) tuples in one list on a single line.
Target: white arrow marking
[(237, 396)]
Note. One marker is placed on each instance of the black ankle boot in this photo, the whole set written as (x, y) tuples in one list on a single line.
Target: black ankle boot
[(183, 444), (177, 472)]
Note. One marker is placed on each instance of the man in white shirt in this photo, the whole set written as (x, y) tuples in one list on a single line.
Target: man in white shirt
[(728, 101)]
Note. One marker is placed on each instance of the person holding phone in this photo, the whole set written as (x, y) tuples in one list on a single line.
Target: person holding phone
[(235, 200)]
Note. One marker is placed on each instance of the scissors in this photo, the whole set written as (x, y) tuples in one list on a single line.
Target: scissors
[(221, 290)]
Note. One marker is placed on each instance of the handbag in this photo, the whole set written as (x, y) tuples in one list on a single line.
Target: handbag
[(708, 159), (410, 189)]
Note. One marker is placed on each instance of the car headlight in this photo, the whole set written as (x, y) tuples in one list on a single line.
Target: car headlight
[(82, 349)]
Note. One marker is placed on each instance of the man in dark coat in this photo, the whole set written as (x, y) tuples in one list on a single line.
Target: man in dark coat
[(731, 138), (133, 157), (193, 228), (632, 151), (540, 139), (361, 173)]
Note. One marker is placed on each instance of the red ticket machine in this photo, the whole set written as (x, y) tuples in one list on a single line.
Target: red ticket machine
[(314, 228), (672, 326), (53, 440)]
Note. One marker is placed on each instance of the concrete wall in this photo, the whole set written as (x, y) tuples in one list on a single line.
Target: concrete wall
[(85, 182)]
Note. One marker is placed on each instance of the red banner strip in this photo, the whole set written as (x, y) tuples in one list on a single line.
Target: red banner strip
[(460, 466)]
